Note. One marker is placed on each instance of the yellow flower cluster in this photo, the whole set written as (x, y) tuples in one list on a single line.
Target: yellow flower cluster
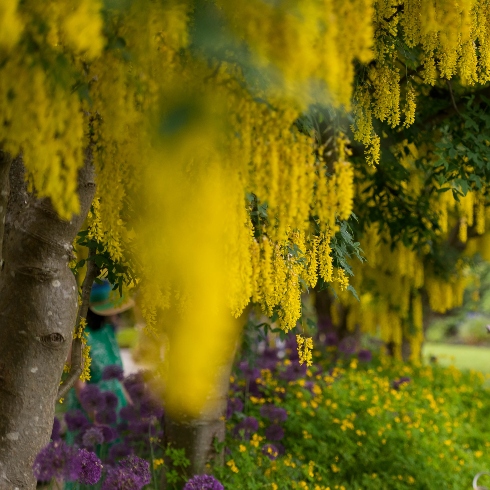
[(81, 334), (41, 115), (105, 100), (311, 45), (305, 346), (233, 467), (182, 141), (392, 281), (453, 39)]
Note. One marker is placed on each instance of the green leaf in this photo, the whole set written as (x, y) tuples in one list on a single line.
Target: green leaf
[(353, 291)]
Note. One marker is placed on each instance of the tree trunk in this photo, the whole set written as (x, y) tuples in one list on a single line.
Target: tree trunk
[(5, 162), (323, 306), (38, 307), (197, 436)]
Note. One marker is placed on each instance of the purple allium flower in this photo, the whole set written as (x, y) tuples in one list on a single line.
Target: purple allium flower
[(108, 417), (142, 427), (91, 467), (293, 372), (129, 413), (57, 460), (135, 386), (111, 400), (203, 482), (55, 432), (270, 353), (273, 413), (118, 451), (248, 371), (150, 407), (270, 451), (274, 432), (348, 346), (110, 434), (365, 355), (251, 374), (331, 338), (92, 437), (291, 347), (113, 372), (268, 359), (248, 425), (92, 399), (397, 383), (234, 405), (121, 479), (76, 420), (134, 378), (122, 426), (254, 388), (136, 466)]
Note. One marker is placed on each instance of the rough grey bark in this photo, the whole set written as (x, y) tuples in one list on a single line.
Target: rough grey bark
[(5, 162), (197, 436), (38, 307)]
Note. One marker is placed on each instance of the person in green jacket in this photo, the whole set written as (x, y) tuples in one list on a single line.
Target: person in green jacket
[(106, 366)]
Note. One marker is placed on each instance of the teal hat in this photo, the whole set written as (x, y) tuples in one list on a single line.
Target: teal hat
[(105, 302)]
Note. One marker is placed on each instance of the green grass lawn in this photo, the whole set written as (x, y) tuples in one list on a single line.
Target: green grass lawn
[(462, 356)]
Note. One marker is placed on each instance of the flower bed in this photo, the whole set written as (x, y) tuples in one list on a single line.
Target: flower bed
[(355, 424), (347, 422)]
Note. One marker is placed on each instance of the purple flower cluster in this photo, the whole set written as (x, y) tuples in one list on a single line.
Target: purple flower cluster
[(273, 413), (106, 417), (137, 466), (293, 372), (120, 479), (93, 437), (90, 467), (246, 427), (113, 372), (234, 405), (119, 451), (365, 355), (271, 451), (76, 420), (135, 385), (274, 432), (92, 399), (122, 429), (131, 473), (123, 432), (348, 346), (58, 460), (203, 482)]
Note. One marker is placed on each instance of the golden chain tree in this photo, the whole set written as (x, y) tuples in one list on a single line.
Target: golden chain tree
[(192, 112)]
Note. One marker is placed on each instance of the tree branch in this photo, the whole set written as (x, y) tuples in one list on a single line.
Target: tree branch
[(452, 97), (86, 186), (76, 366)]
